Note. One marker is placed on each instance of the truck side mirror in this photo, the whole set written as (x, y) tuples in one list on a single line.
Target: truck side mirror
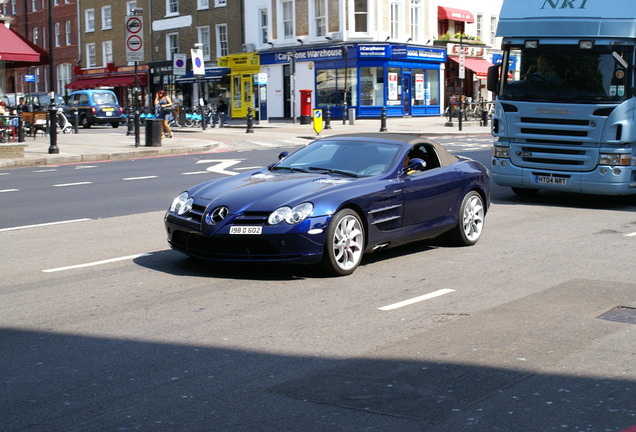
[(493, 78)]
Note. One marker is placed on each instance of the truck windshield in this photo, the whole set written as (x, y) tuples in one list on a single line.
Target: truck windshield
[(565, 73)]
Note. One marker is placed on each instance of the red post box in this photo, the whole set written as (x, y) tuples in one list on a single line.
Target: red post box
[(305, 106)]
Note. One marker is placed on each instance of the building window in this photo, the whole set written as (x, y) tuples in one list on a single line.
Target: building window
[(425, 85), (130, 6), (360, 12), (395, 20), (107, 52), (172, 45), (34, 5), (90, 55), (493, 29), (264, 34), (67, 31), (57, 34), (416, 14), (288, 19), (89, 18), (107, 22), (320, 12), (332, 84), (203, 4), (480, 26), (35, 35), (221, 40), (172, 7), (372, 86), (44, 37), (220, 3), (204, 39), (63, 76)]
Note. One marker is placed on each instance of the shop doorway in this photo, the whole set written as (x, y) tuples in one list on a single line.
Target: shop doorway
[(406, 93)]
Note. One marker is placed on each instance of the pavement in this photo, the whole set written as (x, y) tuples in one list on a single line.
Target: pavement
[(99, 144)]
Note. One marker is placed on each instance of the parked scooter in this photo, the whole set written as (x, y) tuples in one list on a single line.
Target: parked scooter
[(63, 125)]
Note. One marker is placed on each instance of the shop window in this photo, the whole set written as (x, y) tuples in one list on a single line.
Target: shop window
[(371, 86), (348, 79), (425, 87), (331, 84), (394, 89)]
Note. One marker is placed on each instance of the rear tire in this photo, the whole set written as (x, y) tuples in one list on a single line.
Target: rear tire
[(115, 125), (472, 214), (344, 244), (86, 124)]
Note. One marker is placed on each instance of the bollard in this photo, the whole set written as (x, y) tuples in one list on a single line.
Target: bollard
[(52, 124), (328, 118), (204, 117), (383, 120), (76, 121), (130, 124), (20, 127), (250, 121)]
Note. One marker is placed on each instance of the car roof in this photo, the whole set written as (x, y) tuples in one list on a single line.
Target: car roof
[(410, 139)]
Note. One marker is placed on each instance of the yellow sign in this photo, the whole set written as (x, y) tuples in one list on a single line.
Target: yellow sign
[(318, 121)]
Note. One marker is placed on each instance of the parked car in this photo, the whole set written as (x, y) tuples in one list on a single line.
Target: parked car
[(332, 201), (42, 101), (94, 107)]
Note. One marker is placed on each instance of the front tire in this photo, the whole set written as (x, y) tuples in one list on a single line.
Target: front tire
[(344, 245), (472, 214)]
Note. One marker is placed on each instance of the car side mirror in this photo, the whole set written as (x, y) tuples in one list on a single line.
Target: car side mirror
[(283, 155), (415, 164)]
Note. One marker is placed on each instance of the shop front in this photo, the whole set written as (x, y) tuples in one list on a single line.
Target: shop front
[(242, 67), (404, 79)]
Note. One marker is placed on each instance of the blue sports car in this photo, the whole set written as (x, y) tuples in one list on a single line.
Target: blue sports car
[(332, 201)]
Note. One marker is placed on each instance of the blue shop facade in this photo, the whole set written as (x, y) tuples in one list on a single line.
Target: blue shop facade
[(405, 79)]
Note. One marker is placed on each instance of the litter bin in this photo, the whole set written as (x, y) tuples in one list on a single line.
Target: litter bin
[(352, 116), (153, 133)]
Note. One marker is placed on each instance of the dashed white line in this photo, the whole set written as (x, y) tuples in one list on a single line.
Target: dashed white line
[(43, 225), (96, 263), (9, 190), (631, 234), (72, 184), (416, 300), (45, 170), (85, 167), (139, 178)]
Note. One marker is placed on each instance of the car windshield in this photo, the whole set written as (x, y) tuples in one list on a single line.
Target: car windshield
[(104, 98), (342, 157), (566, 73)]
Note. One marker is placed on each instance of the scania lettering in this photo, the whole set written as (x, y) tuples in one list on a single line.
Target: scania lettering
[(565, 116)]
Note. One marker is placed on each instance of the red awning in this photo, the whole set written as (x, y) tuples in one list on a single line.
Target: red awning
[(477, 65), (446, 13), (18, 51), (85, 83), (125, 80)]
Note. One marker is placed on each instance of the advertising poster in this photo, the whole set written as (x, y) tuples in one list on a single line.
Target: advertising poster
[(393, 86)]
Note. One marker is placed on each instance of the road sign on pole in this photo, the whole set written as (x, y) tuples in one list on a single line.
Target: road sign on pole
[(198, 66), (179, 64), (134, 38)]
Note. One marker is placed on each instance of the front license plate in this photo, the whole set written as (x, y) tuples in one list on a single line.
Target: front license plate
[(551, 180), (246, 230)]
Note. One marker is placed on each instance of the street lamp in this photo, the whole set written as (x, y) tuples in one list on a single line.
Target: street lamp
[(53, 148), (292, 66), (134, 12)]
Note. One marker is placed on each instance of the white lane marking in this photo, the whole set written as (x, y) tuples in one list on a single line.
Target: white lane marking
[(96, 263), (631, 234), (140, 178), (85, 167), (45, 170), (43, 225), (196, 172), (220, 165), (9, 190), (416, 300), (4, 173), (72, 184)]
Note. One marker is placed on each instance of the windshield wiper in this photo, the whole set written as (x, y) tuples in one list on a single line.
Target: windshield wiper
[(334, 171), (292, 169)]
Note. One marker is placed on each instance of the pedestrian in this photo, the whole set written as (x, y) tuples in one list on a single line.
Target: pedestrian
[(22, 106), (220, 111), (163, 111)]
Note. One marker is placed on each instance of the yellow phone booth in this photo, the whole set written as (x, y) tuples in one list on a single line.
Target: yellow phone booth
[(243, 67)]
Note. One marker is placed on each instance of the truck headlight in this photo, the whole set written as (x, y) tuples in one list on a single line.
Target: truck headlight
[(615, 159), (501, 152)]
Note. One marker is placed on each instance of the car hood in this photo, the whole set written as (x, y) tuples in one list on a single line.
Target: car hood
[(266, 191)]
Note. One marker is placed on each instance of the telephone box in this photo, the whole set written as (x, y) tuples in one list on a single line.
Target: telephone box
[(305, 107)]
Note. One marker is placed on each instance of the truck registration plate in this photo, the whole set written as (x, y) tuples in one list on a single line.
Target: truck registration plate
[(246, 230), (551, 180)]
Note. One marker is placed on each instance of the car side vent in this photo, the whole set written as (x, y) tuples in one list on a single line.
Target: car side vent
[(619, 132), (509, 108), (604, 112)]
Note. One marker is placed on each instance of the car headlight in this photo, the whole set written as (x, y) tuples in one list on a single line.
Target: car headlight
[(291, 215), (181, 204), (620, 159)]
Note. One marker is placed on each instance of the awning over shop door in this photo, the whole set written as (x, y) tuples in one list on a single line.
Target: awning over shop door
[(18, 51), (446, 13), (124, 81), (477, 65), (85, 83), (211, 74)]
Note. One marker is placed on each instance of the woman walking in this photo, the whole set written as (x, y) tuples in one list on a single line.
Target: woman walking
[(163, 108)]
